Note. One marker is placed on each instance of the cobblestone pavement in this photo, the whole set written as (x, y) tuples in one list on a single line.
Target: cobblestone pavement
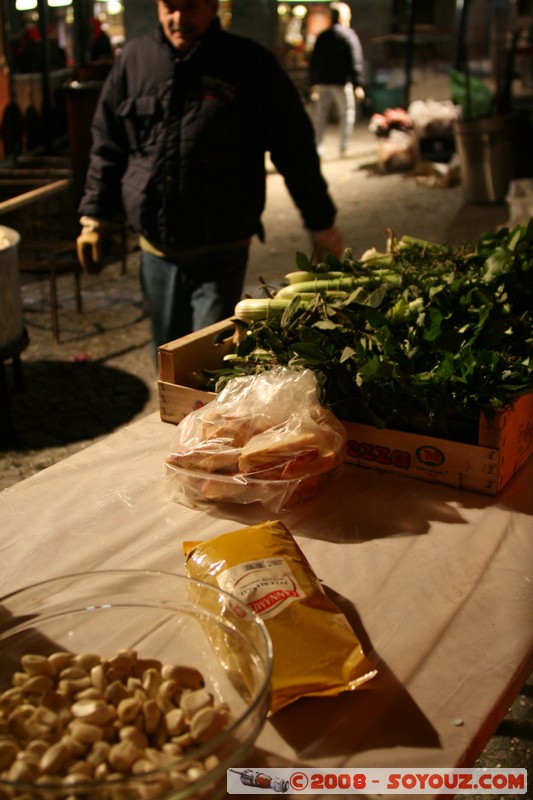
[(102, 374)]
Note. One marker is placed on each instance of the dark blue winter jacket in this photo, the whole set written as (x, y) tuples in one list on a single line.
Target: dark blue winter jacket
[(179, 143), (337, 57)]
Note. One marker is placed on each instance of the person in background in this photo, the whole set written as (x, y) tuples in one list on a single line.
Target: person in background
[(29, 55), (336, 74), (180, 133), (101, 48), (58, 56)]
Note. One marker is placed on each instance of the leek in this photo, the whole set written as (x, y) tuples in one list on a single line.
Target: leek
[(300, 277), (251, 309), (346, 284)]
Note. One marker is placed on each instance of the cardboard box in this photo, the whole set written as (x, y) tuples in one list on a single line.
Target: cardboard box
[(504, 443)]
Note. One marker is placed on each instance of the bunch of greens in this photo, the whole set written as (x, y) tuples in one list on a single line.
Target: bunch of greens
[(430, 335)]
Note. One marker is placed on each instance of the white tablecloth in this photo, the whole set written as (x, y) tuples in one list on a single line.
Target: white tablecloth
[(437, 583)]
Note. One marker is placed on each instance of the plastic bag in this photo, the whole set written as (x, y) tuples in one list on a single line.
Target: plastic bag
[(316, 652), (519, 198), (474, 96), (433, 118), (264, 438), (398, 151)]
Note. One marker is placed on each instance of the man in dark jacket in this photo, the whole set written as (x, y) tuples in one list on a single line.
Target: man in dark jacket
[(336, 72), (179, 141)]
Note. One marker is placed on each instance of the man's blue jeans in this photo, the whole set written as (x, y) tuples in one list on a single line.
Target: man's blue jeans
[(344, 99), (188, 293)]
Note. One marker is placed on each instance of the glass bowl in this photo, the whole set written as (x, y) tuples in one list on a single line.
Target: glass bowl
[(195, 665)]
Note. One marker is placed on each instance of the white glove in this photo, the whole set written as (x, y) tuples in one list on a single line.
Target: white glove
[(96, 240), (89, 245)]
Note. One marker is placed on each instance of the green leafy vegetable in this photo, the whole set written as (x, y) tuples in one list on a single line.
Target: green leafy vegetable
[(424, 345)]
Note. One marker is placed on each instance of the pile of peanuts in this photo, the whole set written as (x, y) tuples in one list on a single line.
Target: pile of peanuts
[(75, 719)]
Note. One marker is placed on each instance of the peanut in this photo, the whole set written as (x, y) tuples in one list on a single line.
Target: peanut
[(87, 661), (55, 758), (34, 664), (60, 661), (151, 681), (175, 721), (151, 715), (85, 732), (185, 677), (92, 711), (8, 752), (205, 724), (128, 709), (74, 719), (123, 755), (193, 701)]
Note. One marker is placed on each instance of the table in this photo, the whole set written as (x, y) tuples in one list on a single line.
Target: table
[(437, 583)]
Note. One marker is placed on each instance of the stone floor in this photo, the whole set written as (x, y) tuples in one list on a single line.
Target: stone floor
[(102, 373)]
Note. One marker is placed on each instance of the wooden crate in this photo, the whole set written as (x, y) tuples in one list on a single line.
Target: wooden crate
[(504, 443)]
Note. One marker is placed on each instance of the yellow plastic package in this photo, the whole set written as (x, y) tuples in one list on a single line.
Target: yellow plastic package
[(316, 652)]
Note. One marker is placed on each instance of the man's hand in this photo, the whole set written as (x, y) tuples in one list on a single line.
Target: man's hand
[(313, 94), (327, 241), (360, 93)]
